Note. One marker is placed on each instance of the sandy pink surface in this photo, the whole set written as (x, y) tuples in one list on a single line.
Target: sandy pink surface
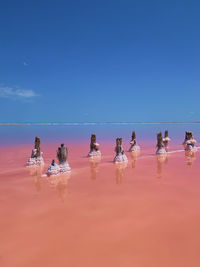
[(144, 215)]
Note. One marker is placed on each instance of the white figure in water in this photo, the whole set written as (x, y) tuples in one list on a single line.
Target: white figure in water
[(120, 156), (36, 158), (63, 166), (94, 148), (166, 140), (134, 146), (189, 142), (160, 146)]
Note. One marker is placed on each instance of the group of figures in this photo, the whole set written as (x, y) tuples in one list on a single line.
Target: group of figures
[(188, 143), (94, 154), (162, 143), (36, 159)]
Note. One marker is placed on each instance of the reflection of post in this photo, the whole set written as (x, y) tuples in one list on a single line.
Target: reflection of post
[(94, 166), (134, 155), (190, 157), (60, 183), (119, 171), (160, 160), (62, 187), (36, 173)]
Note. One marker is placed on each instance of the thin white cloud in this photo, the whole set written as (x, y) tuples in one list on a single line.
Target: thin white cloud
[(25, 63), (9, 92)]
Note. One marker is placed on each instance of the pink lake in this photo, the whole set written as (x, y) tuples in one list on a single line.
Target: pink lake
[(144, 215)]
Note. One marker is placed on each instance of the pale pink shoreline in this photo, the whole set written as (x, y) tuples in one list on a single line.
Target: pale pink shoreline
[(143, 215)]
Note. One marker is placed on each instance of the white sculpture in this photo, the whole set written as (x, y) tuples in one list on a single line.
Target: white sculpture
[(189, 142), (120, 156), (166, 140), (63, 166), (94, 148), (160, 145), (36, 158), (134, 146)]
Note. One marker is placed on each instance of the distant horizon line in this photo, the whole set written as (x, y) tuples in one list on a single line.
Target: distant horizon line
[(90, 123)]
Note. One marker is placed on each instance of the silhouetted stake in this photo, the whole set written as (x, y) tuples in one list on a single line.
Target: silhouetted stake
[(118, 148), (133, 136), (166, 133), (93, 146), (37, 148), (159, 140), (62, 154), (37, 142)]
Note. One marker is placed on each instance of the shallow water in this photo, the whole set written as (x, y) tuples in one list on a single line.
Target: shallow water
[(143, 214)]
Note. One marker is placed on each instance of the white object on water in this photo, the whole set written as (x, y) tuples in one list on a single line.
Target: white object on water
[(134, 148), (190, 145), (36, 161), (55, 169), (161, 151), (120, 158), (94, 154), (64, 167)]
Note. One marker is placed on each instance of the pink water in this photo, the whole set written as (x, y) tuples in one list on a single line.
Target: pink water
[(144, 215)]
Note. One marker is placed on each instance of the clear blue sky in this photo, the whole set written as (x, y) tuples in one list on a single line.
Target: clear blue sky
[(108, 60)]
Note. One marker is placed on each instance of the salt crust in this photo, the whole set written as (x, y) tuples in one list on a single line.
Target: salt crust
[(55, 169), (161, 151), (94, 154), (35, 161), (134, 148), (120, 158), (189, 145)]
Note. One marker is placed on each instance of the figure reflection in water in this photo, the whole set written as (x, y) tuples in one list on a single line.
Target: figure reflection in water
[(94, 167), (161, 159), (36, 173), (119, 171), (60, 182), (134, 155), (190, 157)]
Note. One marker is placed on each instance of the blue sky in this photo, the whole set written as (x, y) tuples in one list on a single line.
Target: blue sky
[(93, 61)]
